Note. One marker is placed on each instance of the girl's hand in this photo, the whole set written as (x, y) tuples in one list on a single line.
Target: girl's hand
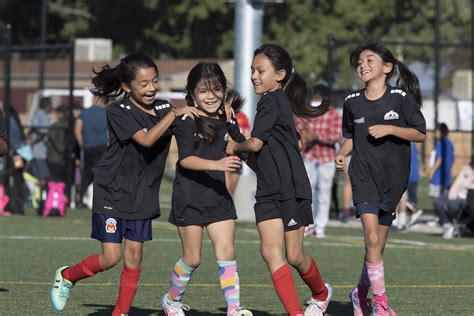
[(187, 110), (340, 161), (229, 111), (230, 146), (379, 131), (229, 163)]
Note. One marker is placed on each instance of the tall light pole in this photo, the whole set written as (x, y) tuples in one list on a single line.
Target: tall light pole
[(44, 17), (248, 37)]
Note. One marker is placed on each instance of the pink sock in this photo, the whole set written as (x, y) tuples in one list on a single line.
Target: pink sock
[(376, 276)]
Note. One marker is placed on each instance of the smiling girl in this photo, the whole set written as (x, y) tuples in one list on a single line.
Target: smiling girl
[(379, 122), (200, 197), (283, 197), (128, 177)]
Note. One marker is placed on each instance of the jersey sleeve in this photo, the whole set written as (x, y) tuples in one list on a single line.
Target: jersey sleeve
[(184, 129), (347, 122), (234, 131), (265, 119), (412, 114), (121, 122)]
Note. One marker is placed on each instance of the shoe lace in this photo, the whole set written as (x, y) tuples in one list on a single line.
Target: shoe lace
[(314, 305), (65, 290), (177, 306)]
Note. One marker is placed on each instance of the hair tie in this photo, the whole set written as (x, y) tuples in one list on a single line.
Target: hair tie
[(292, 70)]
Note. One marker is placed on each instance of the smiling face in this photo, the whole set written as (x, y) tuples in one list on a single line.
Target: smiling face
[(143, 88), (265, 77), (371, 67), (209, 95)]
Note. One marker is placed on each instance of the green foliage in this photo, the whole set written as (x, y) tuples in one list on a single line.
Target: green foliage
[(205, 28)]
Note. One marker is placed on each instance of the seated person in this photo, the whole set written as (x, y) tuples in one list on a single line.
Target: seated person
[(448, 204)]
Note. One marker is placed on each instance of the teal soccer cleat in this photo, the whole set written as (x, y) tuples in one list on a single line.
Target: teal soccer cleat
[(61, 290)]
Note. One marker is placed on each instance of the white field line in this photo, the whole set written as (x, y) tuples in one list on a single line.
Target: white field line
[(333, 241)]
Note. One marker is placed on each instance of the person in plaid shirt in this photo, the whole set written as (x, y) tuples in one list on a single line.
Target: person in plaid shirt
[(320, 135)]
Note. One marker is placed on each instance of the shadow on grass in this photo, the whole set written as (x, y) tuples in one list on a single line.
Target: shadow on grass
[(103, 310), (339, 308)]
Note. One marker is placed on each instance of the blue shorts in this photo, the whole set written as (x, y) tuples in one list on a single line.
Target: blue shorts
[(111, 229), (385, 218)]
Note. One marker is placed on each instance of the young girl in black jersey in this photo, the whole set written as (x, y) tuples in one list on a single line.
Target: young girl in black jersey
[(200, 198), (283, 198), (379, 122), (128, 178)]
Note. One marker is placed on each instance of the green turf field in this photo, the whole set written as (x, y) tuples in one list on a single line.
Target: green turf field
[(425, 274)]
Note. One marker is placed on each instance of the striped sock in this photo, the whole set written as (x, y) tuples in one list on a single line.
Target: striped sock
[(179, 280), (230, 284)]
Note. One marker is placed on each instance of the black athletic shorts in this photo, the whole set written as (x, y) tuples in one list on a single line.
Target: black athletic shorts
[(295, 213)]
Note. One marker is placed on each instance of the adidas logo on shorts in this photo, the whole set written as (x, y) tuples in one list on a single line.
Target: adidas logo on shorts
[(292, 222)]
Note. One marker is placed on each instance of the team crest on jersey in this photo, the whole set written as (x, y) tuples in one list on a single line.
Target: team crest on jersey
[(360, 120), (391, 115), (110, 225)]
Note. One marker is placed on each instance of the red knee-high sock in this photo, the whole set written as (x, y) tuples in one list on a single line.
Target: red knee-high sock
[(128, 287), (286, 290), (315, 282), (84, 269)]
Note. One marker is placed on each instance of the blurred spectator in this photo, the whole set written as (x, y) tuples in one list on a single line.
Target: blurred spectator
[(56, 145), (91, 134), (38, 137), (410, 197), (441, 162), (3, 151), (448, 205), (320, 135), (19, 153)]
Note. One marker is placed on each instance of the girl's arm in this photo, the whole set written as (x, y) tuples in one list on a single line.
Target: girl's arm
[(229, 163), (406, 133), (345, 150), (148, 138), (251, 145)]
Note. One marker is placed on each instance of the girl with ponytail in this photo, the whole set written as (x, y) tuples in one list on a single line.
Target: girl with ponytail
[(128, 177), (283, 197), (379, 122)]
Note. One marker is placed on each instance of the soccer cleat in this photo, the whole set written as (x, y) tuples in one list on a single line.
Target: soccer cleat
[(317, 308), (383, 310), (61, 290), (241, 311), (361, 305), (173, 309)]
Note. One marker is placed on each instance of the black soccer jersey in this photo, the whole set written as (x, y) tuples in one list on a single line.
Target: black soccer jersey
[(201, 197), (379, 168), (280, 170), (128, 178)]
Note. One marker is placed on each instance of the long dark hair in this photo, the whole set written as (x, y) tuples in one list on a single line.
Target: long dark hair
[(293, 83), (406, 80), (108, 81), (213, 75)]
